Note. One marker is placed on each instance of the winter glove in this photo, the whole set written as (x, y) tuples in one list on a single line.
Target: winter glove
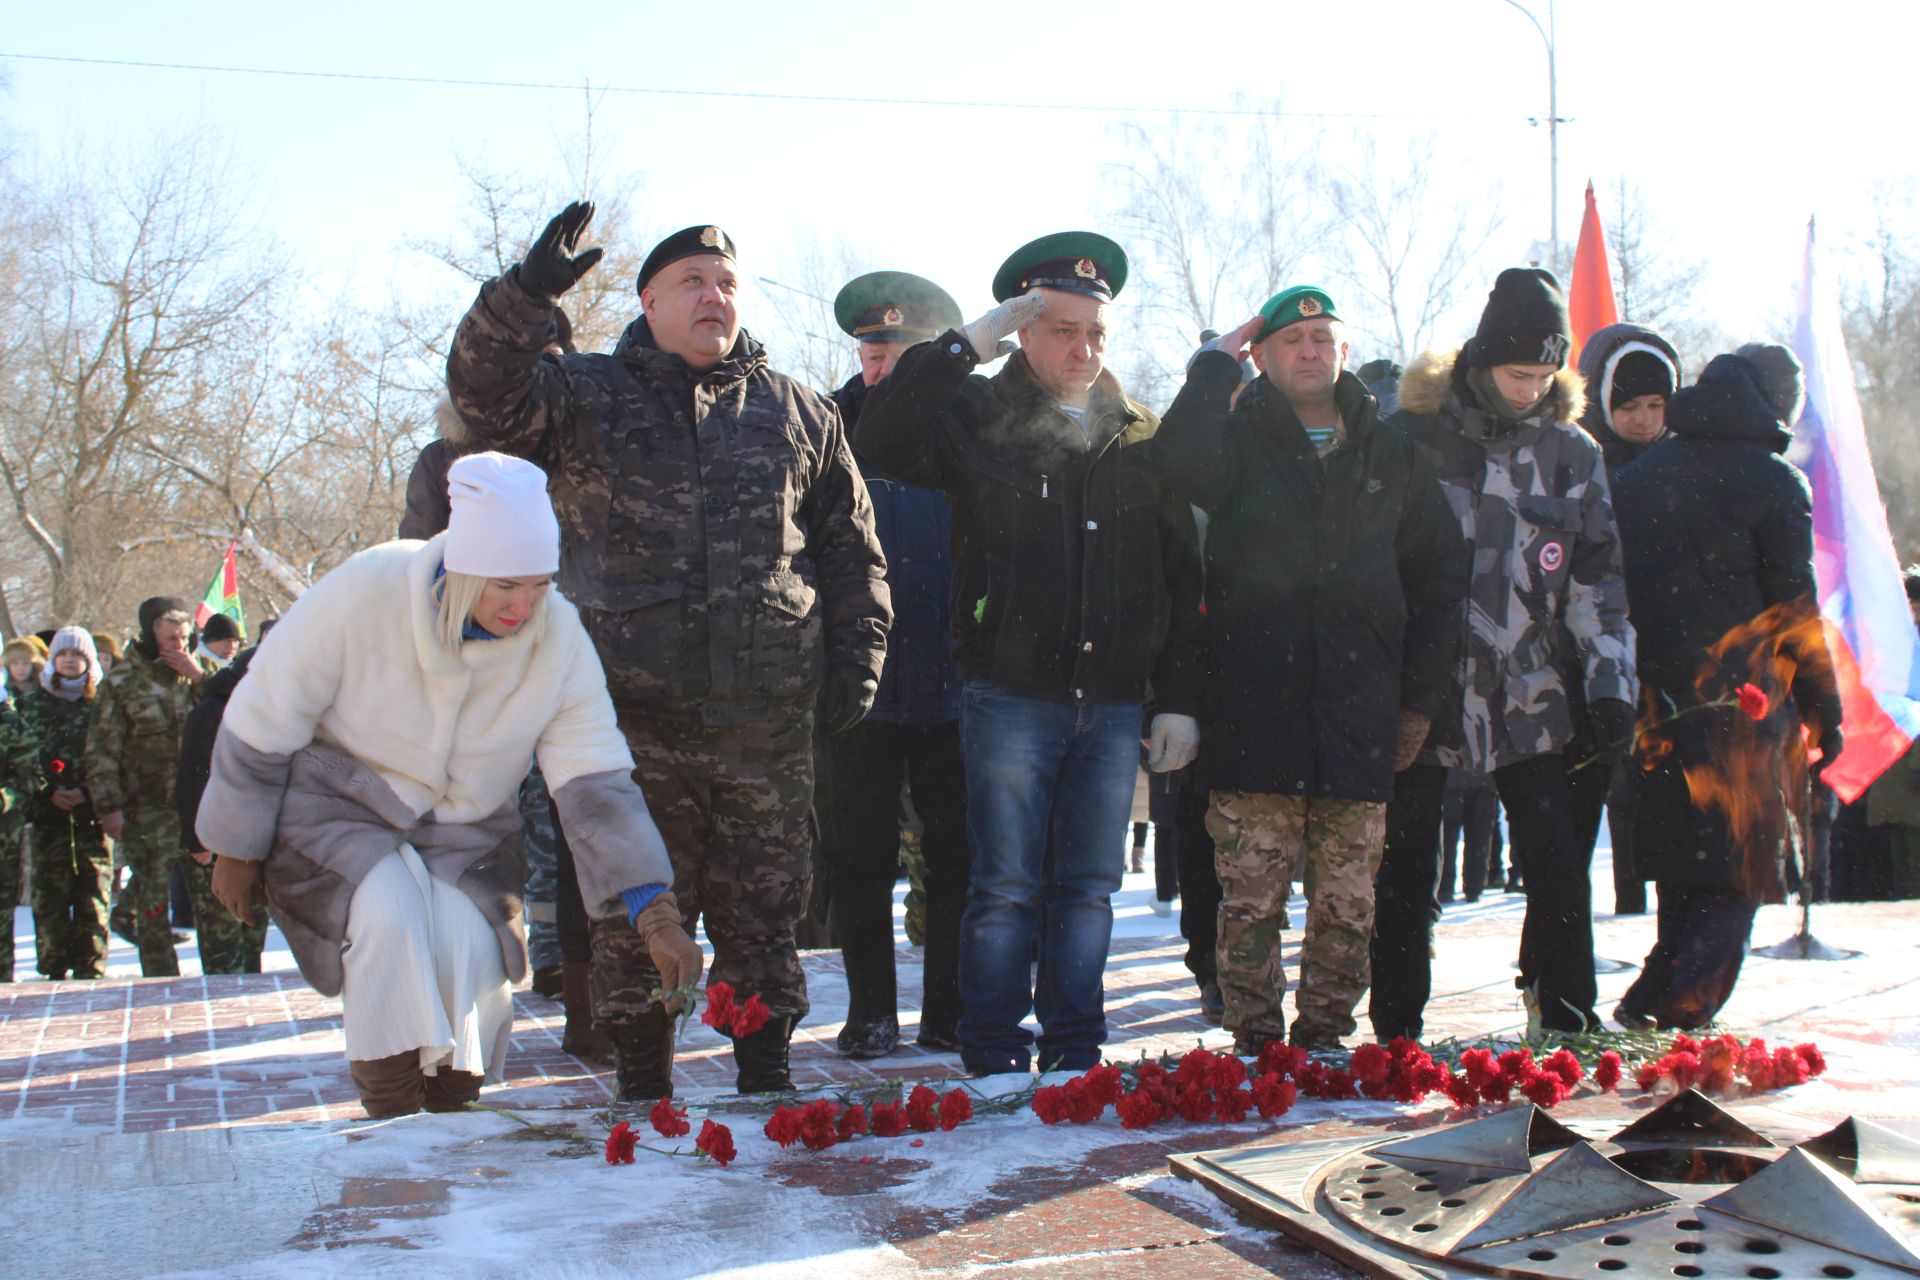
[(671, 948), (237, 886), (1172, 742), (1413, 736), (1831, 743), (551, 266), (1612, 730), (846, 697), (984, 334)]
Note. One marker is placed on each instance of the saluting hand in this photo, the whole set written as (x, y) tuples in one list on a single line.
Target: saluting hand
[(552, 266), (1236, 343)]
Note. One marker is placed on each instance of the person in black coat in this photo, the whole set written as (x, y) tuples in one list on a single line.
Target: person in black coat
[(1336, 581), (223, 948), (1718, 534)]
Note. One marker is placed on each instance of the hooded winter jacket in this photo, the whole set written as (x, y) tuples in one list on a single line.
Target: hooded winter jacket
[(715, 531), (1532, 501), (1076, 570), (1599, 357), (1334, 587)]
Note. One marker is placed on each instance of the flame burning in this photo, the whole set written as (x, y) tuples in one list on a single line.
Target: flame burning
[(1749, 768)]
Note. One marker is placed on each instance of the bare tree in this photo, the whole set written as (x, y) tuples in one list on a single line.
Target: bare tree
[(1882, 326), (795, 310)]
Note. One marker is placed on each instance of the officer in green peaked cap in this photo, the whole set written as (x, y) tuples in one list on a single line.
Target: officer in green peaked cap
[(889, 311)]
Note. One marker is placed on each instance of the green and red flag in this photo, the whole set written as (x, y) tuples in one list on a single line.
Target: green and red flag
[(223, 594)]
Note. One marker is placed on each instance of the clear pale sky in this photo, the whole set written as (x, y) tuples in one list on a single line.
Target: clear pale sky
[(1736, 119)]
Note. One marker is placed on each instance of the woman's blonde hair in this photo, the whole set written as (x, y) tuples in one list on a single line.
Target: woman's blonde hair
[(30, 647), (458, 595)]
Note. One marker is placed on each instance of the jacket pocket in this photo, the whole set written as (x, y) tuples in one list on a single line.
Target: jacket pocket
[(640, 633), (787, 658), (1543, 540)]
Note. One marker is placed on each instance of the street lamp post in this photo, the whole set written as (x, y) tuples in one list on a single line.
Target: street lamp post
[(1553, 124)]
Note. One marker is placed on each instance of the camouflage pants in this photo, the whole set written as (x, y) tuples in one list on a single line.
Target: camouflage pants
[(1262, 842), (536, 816), (13, 839), (72, 872), (150, 842), (735, 808), (226, 945)]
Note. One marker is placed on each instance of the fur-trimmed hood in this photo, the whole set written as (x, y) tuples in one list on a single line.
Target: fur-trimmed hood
[(1435, 376)]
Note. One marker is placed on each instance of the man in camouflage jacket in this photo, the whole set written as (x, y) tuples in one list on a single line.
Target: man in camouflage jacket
[(1529, 487), (19, 768), (718, 540), (132, 753)]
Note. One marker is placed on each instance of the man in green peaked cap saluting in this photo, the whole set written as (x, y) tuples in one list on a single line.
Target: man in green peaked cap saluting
[(1075, 607), (1336, 577)]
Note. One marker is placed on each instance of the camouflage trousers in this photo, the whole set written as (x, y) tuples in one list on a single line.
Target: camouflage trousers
[(536, 817), (150, 842), (72, 873), (1262, 843), (226, 945), (13, 840), (734, 805)]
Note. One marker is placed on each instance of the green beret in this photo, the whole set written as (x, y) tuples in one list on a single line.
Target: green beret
[(1302, 302), (688, 242), (1075, 261), (894, 306)]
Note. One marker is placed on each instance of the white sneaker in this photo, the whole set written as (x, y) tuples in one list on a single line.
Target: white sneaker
[(1162, 906)]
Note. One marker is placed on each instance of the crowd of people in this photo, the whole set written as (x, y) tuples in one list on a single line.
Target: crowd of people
[(755, 640)]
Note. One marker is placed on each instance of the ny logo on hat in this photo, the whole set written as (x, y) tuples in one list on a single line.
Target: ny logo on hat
[(1086, 270), (1553, 350), (1310, 307)]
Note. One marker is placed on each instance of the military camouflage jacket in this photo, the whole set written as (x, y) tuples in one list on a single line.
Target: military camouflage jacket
[(60, 734), (133, 739), (715, 531), (19, 760), (1533, 504)]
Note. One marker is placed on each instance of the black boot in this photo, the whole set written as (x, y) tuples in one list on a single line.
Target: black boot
[(582, 1038), (863, 917), (762, 1057), (643, 1056)]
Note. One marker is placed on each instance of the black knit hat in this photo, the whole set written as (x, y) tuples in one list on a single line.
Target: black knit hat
[(1640, 373), (1525, 322), (220, 627)]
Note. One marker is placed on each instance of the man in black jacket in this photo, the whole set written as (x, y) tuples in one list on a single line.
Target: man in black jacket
[(1336, 577), (1076, 588)]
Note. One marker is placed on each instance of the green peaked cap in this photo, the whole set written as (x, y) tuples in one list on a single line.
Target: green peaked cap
[(894, 306), (1075, 261), (1302, 302)]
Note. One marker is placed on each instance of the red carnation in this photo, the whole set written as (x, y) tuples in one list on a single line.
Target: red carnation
[(1753, 702), (1543, 1089), (1788, 1068), (1083, 1104), (1149, 1073), (1232, 1104), (955, 1109), (1105, 1083), (784, 1127), (716, 1143), (1515, 1063), (1606, 1072), (852, 1123), (1194, 1104), (1226, 1072), (1460, 1090), (667, 1120), (1814, 1060), (1649, 1075), (920, 1109), (889, 1120), (620, 1144), (1195, 1066), (1717, 1059), (720, 1011), (1049, 1103), (1563, 1064), (1370, 1065), (817, 1124), (1281, 1057), (1138, 1110), (751, 1016), (1273, 1096)]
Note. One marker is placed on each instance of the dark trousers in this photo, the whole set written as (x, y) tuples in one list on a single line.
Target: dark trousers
[(1695, 961), (1199, 879), (1556, 939), (1590, 790), (868, 764), (1163, 803), (569, 911), (1472, 810)]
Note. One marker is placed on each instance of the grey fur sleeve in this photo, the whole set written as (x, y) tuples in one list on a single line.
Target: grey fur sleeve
[(615, 844), (240, 810)]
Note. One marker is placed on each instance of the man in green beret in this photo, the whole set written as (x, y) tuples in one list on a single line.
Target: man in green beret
[(912, 735), (1075, 609), (1335, 580)]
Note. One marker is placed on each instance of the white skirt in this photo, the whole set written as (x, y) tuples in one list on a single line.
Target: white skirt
[(423, 971)]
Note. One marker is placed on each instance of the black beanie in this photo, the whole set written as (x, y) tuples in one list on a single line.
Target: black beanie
[(152, 609), (1525, 322), (220, 627), (1780, 377), (1640, 373)]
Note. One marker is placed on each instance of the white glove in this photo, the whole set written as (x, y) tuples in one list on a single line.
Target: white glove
[(1172, 743), (984, 335)]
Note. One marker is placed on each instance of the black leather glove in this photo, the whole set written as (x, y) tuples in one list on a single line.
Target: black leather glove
[(846, 697), (551, 266), (1612, 729), (1831, 743)]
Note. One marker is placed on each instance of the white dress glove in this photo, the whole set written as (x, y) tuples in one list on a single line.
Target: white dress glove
[(1173, 742), (984, 335)]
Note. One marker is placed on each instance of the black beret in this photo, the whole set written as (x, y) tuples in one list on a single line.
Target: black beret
[(688, 242)]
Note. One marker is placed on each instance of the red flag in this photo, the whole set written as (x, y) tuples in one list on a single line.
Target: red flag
[(1590, 303)]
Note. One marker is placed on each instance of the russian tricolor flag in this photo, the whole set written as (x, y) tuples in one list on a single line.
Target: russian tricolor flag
[(1876, 648)]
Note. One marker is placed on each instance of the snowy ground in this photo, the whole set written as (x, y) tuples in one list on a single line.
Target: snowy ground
[(481, 1195)]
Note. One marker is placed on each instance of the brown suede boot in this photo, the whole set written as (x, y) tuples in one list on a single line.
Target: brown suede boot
[(389, 1087), (581, 1038), (450, 1090)]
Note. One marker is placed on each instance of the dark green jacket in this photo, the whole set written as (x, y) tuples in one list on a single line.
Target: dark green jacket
[(60, 741)]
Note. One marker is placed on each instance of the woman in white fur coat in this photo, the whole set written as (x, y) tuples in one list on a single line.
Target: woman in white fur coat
[(368, 768)]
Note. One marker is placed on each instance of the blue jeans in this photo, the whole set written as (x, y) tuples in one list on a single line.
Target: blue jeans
[(1049, 794)]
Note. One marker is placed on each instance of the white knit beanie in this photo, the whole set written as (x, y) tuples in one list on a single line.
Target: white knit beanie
[(71, 637), (502, 523)]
